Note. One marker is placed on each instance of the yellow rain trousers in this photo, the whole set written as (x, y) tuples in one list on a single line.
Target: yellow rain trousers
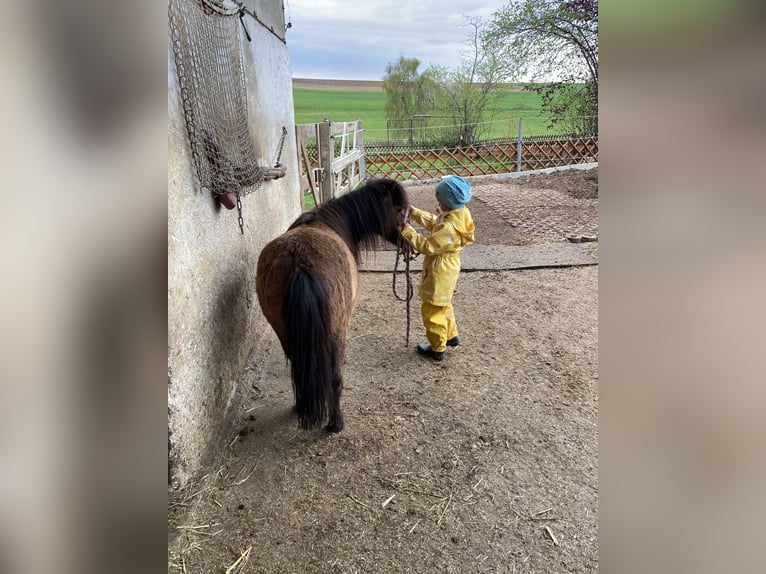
[(449, 232)]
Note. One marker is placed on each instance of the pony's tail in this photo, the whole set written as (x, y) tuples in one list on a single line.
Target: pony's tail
[(305, 311)]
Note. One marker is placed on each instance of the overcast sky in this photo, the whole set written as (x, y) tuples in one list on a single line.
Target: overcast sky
[(355, 40)]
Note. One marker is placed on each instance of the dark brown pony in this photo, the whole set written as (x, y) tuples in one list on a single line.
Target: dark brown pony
[(308, 285)]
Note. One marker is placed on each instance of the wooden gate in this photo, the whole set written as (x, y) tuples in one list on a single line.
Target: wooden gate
[(340, 165)]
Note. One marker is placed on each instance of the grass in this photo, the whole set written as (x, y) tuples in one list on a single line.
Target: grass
[(316, 105), (308, 200), (313, 106)]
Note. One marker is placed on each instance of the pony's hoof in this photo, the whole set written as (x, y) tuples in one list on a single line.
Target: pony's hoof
[(335, 425)]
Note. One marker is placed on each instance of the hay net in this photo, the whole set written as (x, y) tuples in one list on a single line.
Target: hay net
[(208, 55)]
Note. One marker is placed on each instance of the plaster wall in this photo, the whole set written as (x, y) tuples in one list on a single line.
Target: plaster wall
[(214, 321)]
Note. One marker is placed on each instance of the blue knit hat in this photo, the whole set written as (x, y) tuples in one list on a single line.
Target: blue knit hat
[(454, 191)]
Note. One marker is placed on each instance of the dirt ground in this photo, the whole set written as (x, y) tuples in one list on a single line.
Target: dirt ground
[(356, 85), (485, 462)]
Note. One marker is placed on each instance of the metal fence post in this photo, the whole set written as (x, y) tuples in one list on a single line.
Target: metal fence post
[(360, 146), (326, 151), (518, 145)]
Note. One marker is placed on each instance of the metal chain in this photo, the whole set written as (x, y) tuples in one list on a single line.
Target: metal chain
[(260, 180), (239, 213), (281, 146)]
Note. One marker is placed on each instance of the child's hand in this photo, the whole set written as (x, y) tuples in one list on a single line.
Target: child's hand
[(404, 218)]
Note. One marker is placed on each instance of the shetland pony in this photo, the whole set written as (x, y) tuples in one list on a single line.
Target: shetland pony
[(308, 285)]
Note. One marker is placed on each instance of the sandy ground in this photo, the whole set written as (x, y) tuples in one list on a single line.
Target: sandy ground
[(485, 462)]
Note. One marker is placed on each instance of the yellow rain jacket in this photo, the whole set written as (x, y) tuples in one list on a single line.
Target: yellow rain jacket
[(449, 233)]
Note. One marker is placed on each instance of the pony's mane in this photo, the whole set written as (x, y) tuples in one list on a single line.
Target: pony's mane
[(360, 216)]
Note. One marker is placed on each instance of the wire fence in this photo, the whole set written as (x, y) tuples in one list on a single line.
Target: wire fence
[(435, 130)]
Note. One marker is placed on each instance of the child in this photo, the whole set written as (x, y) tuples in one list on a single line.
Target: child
[(449, 232)]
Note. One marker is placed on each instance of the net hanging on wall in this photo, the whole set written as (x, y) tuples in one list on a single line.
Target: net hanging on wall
[(208, 56)]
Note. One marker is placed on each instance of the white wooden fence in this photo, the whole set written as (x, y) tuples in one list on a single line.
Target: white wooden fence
[(340, 167)]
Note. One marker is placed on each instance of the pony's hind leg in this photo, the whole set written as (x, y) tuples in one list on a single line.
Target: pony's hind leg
[(335, 423)]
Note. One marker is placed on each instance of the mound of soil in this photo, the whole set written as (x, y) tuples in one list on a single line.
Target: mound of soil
[(577, 183)]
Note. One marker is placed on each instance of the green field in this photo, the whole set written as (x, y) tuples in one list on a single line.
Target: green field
[(315, 105)]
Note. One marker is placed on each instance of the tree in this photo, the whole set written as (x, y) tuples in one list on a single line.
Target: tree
[(459, 100), (468, 94), (559, 38), (409, 92)]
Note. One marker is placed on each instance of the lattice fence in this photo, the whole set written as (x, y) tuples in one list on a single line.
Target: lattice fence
[(545, 153), (383, 159), (480, 159)]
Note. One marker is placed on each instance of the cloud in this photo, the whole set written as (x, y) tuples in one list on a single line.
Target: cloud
[(354, 40)]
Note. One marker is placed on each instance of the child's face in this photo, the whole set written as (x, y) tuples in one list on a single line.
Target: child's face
[(442, 207)]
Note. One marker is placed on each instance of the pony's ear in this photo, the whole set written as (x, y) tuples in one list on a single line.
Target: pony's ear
[(398, 194)]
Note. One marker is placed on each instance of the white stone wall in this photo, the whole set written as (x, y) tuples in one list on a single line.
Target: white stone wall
[(214, 321)]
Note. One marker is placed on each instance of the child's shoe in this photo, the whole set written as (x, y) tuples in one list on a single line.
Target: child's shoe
[(427, 350)]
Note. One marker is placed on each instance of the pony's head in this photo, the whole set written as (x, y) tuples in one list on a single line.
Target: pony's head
[(394, 200), (361, 216)]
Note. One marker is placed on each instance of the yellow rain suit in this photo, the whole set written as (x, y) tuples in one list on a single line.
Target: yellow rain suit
[(449, 232)]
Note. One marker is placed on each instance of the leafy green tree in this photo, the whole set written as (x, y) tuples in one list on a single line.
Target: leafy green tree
[(556, 38), (450, 107), (409, 92), (468, 95)]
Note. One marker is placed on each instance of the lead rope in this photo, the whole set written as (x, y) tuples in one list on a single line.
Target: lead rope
[(407, 253), (404, 250)]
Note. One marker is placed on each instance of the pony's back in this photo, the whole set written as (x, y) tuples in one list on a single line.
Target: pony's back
[(307, 287), (308, 284)]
